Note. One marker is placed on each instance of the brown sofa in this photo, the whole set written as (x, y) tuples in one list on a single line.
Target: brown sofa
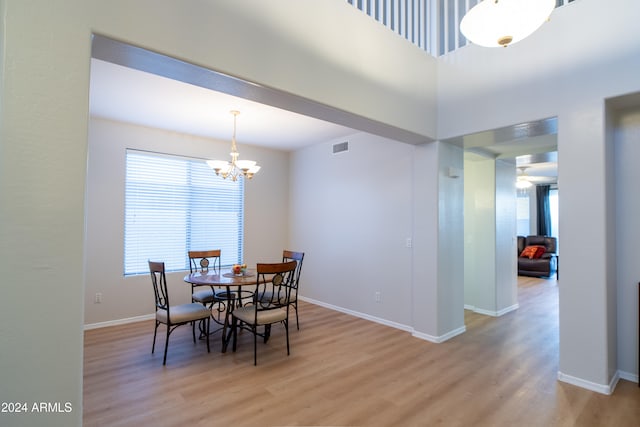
[(544, 266)]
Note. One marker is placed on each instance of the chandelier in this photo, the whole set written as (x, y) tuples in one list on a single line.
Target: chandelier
[(235, 168), (495, 23)]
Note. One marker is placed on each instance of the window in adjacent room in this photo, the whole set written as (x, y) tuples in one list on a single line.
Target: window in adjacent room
[(175, 204)]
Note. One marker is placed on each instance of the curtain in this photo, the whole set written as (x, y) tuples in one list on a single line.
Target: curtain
[(544, 213)]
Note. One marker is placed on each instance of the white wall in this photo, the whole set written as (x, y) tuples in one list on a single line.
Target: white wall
[(450, 302), (533, 211), (266, 214), (437, 288), (611, 253), (565, 71), (506, 243), (558, 67), (44, 63), (480, 234), (351, 214), (426, 220), (304, 48), (627, 153), (490, 279), (300, 47)]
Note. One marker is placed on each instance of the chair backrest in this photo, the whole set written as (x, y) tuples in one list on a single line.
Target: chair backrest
[(273, 285), (159, 280), (297, 257), (204, 260)]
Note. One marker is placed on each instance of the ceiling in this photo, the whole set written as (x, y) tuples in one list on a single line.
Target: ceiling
[(531, 146), (129, 95)]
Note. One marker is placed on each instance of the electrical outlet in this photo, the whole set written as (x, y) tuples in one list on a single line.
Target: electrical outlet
[(378, 297), (409, 242), (98, 298)]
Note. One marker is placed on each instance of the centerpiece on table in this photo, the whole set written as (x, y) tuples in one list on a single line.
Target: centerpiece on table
[(239, 269)]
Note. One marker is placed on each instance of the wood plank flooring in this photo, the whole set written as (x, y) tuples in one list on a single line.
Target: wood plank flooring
[(345, 371)]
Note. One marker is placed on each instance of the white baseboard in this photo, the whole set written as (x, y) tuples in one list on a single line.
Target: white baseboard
[(492, 313), (504, 311), (119, 321), (357, 314), (629, 376), (406, 328), (441, 338), (599, 388)]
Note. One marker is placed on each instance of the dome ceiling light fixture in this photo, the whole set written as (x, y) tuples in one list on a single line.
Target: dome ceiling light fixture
[(499, 23), (235, 168)]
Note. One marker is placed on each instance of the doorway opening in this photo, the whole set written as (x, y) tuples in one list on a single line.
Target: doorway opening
[(496, 212)]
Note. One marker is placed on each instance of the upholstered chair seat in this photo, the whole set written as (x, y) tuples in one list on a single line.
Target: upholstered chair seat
[(247, 314), (278, 280), (183, 313), (175, 315)]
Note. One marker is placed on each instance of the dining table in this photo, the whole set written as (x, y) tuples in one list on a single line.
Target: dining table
[(234, 294)]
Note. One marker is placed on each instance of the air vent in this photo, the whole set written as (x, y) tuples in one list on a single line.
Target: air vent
[(339, 148)]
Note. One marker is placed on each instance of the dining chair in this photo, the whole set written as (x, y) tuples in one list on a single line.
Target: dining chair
[(274, 283), (205, 261), (298, 257), (174, 315), (293, 300)]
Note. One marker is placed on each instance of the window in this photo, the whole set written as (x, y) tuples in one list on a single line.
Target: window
[(173, 205)]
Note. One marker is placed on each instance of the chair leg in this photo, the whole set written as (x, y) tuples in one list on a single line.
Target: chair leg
[(286, 329), (267, 333), (166, 346), (295, 305), (193, 330), (234, 331), (208, 328), (155, 331), (255, 345)]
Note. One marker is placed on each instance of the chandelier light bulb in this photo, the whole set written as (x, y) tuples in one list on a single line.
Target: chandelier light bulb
[(496, 23), (245, 165)]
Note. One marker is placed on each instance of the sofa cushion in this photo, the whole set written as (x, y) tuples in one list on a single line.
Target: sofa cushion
[(533, 252), (548, 242)]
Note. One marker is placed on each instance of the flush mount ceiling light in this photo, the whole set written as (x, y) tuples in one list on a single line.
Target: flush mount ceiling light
[(235, 168), (496, 23)]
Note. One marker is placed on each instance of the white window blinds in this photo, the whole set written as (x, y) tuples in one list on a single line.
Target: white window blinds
[(173, 205)]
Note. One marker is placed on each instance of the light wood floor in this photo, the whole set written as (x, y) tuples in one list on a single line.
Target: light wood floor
[(345, 371)]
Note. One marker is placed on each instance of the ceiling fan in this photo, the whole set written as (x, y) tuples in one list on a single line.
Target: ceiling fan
[(525, 180)]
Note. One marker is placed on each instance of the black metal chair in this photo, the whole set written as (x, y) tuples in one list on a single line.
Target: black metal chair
[(293, 301), (176, 315), (215, 298), (298, 257), (274, 284), (204, 261)]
